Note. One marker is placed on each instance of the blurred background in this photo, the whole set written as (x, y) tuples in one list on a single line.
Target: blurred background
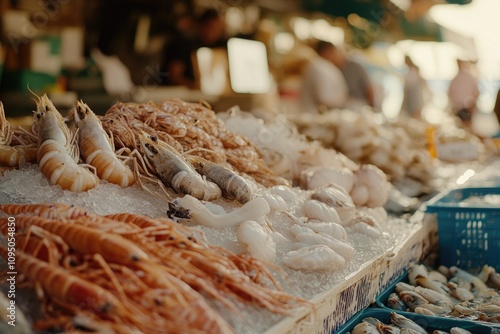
[(109, 50)]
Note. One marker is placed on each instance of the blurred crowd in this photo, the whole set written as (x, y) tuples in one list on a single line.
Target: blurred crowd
[(331, 78)]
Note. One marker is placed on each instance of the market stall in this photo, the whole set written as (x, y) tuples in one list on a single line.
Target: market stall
[(175, 182)]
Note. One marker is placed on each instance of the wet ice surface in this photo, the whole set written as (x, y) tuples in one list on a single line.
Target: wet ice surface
[(30, 186)]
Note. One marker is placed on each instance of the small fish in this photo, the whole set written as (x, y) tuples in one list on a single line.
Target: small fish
[(494, 280), (433, 285), (424, 311), (437, 276), (433, 296), (445, 271), (489, 309), (487, 318), (465, 310), (409, 331), (395, 302), (365, 328), (460, 293), (438, 308), (415, 271), (458, 330), (412, 299), (485, 273), (461, 283), (388, 329), (402, 286), (371, 321), (476, 282), (403, 322)]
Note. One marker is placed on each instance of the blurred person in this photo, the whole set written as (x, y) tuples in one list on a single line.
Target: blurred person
[(323, 85), (496, 109), (208, 31), (463, 94), (358, 82), (414, 90)]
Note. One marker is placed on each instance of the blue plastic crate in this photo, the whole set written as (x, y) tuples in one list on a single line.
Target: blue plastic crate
[(428, 323), (469, 234), (381, 302)]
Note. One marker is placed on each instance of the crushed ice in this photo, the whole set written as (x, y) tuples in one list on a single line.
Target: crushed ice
[(28, 185)]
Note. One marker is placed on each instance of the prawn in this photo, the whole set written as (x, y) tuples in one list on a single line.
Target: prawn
[(13, 156), (62, 285), (57, 156), (172, 169), (231, 184), (86, 240), (97, 149), (52, 211)]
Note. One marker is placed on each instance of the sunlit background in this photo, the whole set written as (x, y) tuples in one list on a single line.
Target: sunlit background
[(50, 45)]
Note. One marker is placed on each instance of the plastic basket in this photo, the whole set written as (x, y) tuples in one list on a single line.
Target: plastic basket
[(381, 302), (428, 323), (469, 234)]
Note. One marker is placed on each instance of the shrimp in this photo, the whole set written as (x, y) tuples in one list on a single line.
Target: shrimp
[(231, 184), (86, 240), (13, 156), (97, 149), (62, 285), (52, 211), (57, 156), (172, 169)]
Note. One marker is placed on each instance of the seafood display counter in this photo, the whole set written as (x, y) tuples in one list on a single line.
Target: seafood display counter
[(217, 215), (359, 289)]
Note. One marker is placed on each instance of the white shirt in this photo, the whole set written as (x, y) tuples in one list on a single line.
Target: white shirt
[(322, 85), (463, 90)]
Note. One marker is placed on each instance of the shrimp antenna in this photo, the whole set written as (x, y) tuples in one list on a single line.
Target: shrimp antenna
[(32, 92)]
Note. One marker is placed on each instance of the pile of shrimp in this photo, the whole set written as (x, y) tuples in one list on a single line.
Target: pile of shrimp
[(127, 273), (17, 146), (188, 127)]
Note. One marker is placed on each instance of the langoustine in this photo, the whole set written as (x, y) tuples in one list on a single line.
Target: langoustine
[(232, 185), (57, 155), (13, 156), (173, 170), (188, 126), (145, 287), (97, 149)]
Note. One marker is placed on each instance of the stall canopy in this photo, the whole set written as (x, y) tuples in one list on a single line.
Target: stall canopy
[(407, 17), (369, 9)]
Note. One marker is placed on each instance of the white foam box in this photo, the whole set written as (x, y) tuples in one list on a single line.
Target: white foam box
[(336, 306)]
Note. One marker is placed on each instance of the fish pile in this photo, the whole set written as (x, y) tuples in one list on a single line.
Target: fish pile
[(127, 273), (399, 324), (450, 292), (367, 139)]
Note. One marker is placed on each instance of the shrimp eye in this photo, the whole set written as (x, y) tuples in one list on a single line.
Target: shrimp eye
[(47, 108), (154, 138), (80, 113), (38, 116)]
